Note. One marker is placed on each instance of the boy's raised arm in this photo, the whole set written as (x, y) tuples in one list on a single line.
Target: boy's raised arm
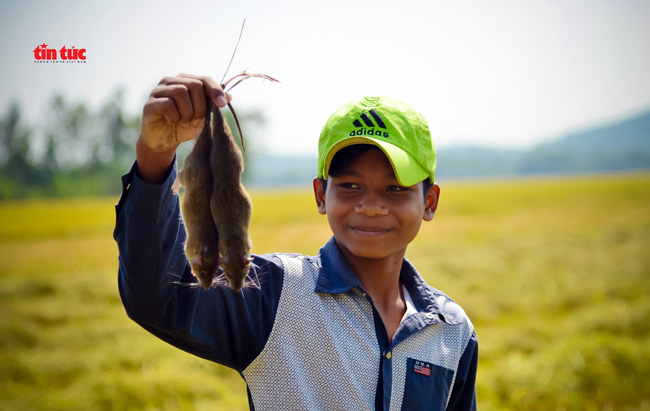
[(159, 292), (173, 114), (155, 282)]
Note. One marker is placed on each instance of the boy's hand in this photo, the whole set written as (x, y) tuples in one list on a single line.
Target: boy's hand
[(174, 113)]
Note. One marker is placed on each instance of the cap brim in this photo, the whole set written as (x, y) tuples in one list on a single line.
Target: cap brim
[(407, 170)]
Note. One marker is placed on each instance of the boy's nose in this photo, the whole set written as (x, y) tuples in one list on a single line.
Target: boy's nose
[(371, 206)]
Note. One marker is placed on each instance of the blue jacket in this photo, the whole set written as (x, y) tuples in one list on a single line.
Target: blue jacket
[(304, 335)]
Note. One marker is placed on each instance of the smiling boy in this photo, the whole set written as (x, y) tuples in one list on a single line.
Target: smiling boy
[(355, 327)]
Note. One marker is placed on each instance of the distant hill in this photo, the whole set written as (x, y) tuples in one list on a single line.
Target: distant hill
[(624, 145), (621, 146)]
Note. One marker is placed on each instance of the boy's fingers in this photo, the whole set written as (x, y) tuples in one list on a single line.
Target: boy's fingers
[(195, 89), (162, 106), (212, 89), (180, 96), (181, 103), (162, 126), (192, 89)]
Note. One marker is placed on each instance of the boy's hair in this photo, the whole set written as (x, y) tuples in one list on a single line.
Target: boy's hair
[(348, 154)]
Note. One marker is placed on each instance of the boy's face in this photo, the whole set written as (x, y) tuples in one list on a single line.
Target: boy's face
[(371, 215)]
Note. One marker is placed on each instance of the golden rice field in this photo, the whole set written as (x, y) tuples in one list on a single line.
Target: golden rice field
[(554, 273)]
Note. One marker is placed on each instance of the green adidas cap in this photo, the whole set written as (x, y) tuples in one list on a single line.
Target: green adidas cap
[(396, 128)]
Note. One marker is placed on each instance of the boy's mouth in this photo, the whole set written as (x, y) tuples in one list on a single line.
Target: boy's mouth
[(369, 230)]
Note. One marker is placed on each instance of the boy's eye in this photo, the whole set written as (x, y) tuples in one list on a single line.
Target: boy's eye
[(397, 188), (349, 185)]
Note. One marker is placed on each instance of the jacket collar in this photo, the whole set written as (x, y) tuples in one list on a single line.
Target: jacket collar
[(337, 277)]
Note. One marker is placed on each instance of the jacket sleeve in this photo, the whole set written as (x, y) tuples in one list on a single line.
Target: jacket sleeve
[(159, 292), (463, 395)]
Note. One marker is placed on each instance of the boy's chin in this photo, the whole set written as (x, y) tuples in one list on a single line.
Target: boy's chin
[(367, 252)]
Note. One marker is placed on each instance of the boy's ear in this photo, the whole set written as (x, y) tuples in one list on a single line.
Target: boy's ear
[(433, 195), (319, 193)]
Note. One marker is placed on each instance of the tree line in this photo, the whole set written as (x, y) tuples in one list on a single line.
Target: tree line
[(72, 150)]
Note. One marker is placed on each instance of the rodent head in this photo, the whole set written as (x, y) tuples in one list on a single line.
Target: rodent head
[(204, 264), (236, 269)]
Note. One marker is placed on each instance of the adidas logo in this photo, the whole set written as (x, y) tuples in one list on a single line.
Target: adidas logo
[(367, 121)]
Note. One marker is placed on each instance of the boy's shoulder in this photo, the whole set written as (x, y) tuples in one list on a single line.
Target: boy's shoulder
[(447, 308), (452, 312)]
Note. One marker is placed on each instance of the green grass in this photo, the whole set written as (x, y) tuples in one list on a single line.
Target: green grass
[(553, 273)]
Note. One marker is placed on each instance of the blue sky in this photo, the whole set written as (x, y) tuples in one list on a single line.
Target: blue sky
[(499, 74)]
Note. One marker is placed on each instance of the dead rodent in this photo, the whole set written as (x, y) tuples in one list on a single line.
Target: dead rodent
[(230, 204), (216, 208), (202, 245)]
